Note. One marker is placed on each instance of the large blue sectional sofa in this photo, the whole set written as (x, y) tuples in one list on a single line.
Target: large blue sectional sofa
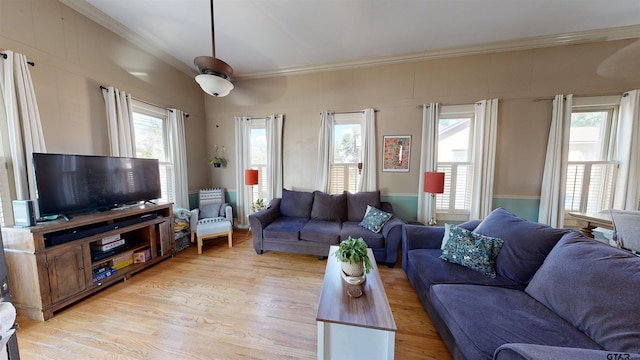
[(556, 293), (310, 222)]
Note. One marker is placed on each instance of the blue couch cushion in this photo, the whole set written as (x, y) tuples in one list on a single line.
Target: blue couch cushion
[(321, 231), (526, 243), (357, 204), (475, 251), (482, 318), (353, 229), (284, 228), (432, 270), (296, 203), (329, 207), (595, 287)]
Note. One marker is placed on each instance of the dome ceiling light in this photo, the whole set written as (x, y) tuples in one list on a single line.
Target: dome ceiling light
[(215, 74)]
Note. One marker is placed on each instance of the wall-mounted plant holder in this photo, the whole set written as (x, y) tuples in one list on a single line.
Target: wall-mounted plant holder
[(218, 160)]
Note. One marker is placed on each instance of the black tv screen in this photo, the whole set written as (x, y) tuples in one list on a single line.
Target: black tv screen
[(70, 184)]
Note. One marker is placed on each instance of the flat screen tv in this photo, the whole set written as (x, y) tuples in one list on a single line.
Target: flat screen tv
[(69, 184)]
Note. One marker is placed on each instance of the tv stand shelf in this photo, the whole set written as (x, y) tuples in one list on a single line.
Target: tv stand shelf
[(51, 276)]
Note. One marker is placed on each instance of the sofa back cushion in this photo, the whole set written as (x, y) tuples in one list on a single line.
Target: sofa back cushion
[(526, 243), (595, 287), (296, 203), (329, 207), (357, 203)]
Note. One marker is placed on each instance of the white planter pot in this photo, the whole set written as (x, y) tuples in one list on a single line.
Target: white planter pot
[(353, 269)]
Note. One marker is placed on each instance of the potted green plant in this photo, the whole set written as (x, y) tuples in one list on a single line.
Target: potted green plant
[(258, 205), (353, 255), (218, 161)]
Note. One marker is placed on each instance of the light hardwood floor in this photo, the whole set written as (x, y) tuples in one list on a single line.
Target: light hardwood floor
[(228, 303)]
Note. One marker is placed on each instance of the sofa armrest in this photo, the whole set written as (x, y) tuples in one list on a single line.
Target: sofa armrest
[(228, 213), (420, 237), (194, 219), (261, 219), (392, 232), (534, 352)]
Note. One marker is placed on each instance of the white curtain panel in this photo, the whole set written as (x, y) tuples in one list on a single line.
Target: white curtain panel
[(627, 190), (177, 142), (551, 211), (428, 158), (486, 127), (21, 124), (119, 118), (243, 192), (325, 150), (368, 178), (274, 125)]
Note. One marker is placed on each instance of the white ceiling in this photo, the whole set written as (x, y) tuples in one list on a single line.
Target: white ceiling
[(262, 37)]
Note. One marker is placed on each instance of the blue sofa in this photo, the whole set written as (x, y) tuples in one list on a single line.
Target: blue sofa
[(310, 222), (556, 294)]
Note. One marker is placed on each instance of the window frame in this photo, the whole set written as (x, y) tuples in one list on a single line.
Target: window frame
[(143, 108), (349, 168), (260, 191), (609, 105), (451, 213)]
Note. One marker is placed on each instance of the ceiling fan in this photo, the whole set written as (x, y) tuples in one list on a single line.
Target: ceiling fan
[(215, 74)]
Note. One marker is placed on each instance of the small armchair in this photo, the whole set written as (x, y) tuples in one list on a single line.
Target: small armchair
[(213, 217)]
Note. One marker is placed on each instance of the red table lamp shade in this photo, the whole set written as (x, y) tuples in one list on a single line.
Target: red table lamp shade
[(434, 182), (251, 177)]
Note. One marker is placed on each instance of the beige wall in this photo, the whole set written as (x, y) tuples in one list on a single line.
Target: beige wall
[(73, 57), (517, 78)]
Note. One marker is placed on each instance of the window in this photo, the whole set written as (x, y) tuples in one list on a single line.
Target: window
[(151, 141), (346, 153), (455, 159), (591, 167), (258, 156)]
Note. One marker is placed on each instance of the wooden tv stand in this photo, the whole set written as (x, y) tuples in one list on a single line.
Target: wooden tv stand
[(47, 275)]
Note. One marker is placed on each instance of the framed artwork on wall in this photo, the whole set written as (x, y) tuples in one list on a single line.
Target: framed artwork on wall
[(396, 153)]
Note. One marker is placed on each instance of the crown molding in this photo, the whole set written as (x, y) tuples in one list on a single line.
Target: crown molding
[(91, 12), (609, 34)]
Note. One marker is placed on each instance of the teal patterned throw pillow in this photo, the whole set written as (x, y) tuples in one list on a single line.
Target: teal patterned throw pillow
[(475, 251), (374, 219)]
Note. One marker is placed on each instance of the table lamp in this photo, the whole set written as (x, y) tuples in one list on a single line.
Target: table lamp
[(433, 184), (251, 179)]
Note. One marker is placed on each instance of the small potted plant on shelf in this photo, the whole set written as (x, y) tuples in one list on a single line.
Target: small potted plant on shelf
[(218, 161), (353, 255)]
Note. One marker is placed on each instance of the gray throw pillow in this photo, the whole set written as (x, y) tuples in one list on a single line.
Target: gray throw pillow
[(209, 211)]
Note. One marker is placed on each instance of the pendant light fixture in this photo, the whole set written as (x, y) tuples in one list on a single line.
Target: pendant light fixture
[(215, 74)]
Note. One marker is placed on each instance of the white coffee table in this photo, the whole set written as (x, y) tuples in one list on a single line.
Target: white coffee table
[(354, 328)]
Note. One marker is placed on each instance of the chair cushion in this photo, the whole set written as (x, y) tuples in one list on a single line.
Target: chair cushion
[(353, 229), (526, 243), (357, 203), (374, 219), (329, 207), (296, 203), (210, 211), (284, 228), (595, 287), (475, 251)]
